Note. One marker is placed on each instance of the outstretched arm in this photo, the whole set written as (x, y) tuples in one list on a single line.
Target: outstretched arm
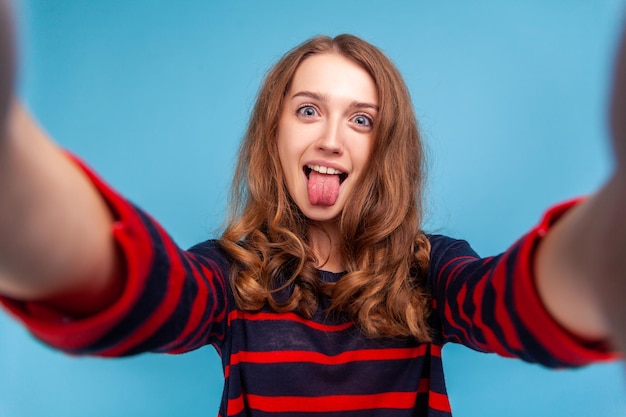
[(55, 229), (581, 264)]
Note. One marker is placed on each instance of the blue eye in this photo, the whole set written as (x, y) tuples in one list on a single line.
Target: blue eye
[(307, 111), (363, 120)]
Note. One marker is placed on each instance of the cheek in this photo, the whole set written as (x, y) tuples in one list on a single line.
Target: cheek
[(364, 151), (283, 153), (287, 159), (291, 146), (283, 141)]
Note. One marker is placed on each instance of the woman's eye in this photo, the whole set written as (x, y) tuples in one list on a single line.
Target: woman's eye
[(307, 111), (363, 120)]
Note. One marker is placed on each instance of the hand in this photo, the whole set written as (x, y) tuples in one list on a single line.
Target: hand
[(616, 265), (581, 265), (618, 105), (7, 61), (610, 255)]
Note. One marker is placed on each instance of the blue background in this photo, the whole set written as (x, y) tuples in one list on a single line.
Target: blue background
[(156, 94)]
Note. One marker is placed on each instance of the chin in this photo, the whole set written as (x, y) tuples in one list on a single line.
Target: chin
[(322, 214)]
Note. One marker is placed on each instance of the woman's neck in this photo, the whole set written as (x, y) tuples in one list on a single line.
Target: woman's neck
[(326, 241)]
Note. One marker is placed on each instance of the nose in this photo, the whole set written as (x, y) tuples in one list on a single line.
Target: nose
[(331, 139)]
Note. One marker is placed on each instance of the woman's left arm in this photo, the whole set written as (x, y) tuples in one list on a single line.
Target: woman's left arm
[(581, 263)]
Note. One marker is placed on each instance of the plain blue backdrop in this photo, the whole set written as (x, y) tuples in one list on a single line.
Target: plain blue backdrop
[(155, 94)]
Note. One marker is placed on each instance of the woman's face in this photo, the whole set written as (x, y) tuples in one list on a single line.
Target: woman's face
[(325, 133)]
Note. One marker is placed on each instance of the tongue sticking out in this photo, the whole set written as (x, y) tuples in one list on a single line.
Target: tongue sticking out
[(323, 189)]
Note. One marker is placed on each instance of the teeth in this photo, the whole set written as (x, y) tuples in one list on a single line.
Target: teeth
[(324, 170)]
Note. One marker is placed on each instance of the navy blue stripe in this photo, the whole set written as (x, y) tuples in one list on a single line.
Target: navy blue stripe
[(433, 369), (294, 378), (175, 323), (488, 312), (212, 257), (468, 333), (421, 404), (215, 305), (153, 295), (532, 350), (276, 335)]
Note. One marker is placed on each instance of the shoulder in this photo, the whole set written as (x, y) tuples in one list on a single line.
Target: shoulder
[(445, 253), (442, 246), (210, 250)]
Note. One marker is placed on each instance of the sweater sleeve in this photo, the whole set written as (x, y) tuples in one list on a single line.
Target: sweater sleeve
[(492, 304), (173, 300)]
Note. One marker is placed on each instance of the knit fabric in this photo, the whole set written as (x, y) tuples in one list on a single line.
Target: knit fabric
[(279, 364)]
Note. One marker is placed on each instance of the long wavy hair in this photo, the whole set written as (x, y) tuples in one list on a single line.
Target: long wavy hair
[(384, 251)]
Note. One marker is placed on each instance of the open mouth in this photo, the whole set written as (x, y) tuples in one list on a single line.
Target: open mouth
[(324, 170), (323, 184)]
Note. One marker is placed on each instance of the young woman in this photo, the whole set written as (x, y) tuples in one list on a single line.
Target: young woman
[(323, 294)]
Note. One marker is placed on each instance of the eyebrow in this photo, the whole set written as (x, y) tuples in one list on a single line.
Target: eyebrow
[(323, 97)]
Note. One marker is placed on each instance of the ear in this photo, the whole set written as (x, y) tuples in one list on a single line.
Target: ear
[(7, 60)]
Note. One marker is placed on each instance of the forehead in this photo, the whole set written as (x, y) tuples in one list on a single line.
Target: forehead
[(333, 75)]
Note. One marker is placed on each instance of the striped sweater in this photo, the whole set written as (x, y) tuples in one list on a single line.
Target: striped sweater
[(280, 364)]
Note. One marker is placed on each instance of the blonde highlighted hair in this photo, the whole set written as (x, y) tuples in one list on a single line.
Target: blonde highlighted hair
[(384, 251)]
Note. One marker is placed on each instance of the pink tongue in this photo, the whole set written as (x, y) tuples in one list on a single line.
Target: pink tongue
[(323, 189)]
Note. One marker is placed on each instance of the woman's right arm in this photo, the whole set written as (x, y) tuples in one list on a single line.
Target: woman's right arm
[(55, 228), (56, 243), (84, 269)]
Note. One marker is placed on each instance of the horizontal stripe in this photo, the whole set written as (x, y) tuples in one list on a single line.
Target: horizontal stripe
[(291, 317), (394, 400), (320, 358), (332, 403), (208, 308), (443, 271), (149, 314), (235, 406), (439, 402)]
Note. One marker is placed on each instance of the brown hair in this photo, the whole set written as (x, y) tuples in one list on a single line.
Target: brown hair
[(384, 251)]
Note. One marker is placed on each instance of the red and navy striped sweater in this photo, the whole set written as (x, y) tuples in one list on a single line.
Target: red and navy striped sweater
[(280, 364)]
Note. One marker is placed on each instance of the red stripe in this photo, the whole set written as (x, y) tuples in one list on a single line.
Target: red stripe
[(82, 333), (206, 291), (477, 297), (439, 402), (492, 343), (530, 308), (452, 318), (399, 400), (217, 332), (332, 403), (501, 313), (442, 271), (322, 359), (235, 406), (453, 275), (129, 234), (242, 315), (198, 307), (164, 310), (435, 350)]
